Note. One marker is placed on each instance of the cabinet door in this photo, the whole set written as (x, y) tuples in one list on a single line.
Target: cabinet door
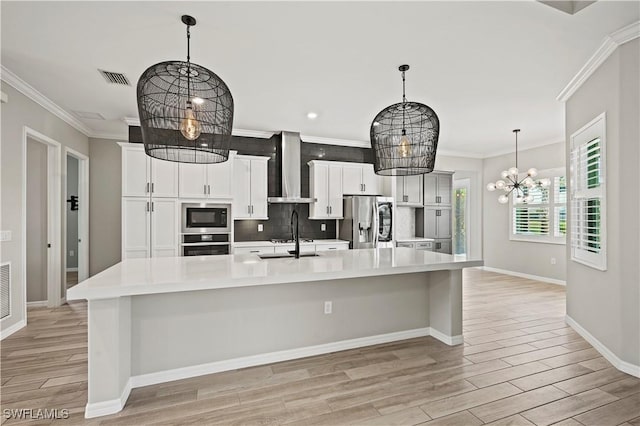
[(254, 250), (193, 180), (332, 247), (135, 172), (370, 181), (430, 188), (164, 179), (443, 228), (259, 180), (319, 189), (443, 246), (430, 223), (135, 227), (413, 189), (352, 179), (445, 188), (335, 191), (164, 229), (219, 179), (242, 188)]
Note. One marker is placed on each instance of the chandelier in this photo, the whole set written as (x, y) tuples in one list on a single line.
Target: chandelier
[(512, 184), (186, 111), (404, 137)]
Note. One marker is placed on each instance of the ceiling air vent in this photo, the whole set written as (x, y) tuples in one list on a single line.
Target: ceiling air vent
[(115, 78)]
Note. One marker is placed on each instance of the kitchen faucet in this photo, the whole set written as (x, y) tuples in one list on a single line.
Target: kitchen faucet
[(294, 233)]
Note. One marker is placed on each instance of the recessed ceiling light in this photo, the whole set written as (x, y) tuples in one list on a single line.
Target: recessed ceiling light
[(197, 101), (312, 115)]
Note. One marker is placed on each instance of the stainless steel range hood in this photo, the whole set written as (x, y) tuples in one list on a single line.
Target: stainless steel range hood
[(290, 166)]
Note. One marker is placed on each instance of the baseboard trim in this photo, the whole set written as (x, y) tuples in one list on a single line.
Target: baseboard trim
[(522, 275), (104, 408), (12, 329), (268, 358), (449, 340), (625, 367), (37, 304), (72, 269)]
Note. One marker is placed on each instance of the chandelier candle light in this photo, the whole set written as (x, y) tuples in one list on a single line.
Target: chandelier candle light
[(186, 111), (511, 182)]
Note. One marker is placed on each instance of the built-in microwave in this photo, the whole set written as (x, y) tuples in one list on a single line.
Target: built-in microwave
[(204, 218)]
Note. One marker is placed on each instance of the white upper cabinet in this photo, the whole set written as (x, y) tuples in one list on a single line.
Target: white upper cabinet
[(359, 179), (143, 176), (206, 180), (409, 190), (438, 188), (325, 185), (250, 177)]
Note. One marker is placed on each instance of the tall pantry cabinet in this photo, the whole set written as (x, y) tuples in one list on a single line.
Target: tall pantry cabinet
[(434, 220)]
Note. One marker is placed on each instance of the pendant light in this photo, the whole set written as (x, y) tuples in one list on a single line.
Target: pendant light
[(186, 110), (404, 137), (512, 184)]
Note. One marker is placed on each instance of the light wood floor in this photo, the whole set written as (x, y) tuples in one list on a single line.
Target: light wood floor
[(520, 365), (72, 278)]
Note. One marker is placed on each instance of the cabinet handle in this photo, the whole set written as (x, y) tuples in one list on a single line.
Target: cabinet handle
[(205, 189), (146, 189), (147, 206), (153, 206), (249, 209), (330, 209), (332, 248), (438, 246), (153, 187), (327, 209), (405, 198), (438, 212), (254, 251), (364, 186), (209, 189)]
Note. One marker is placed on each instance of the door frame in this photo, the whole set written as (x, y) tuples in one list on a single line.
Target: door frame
[(54, 220), (83, 216), (463, 183)]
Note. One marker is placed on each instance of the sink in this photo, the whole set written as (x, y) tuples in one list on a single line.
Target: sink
[(284, 255)]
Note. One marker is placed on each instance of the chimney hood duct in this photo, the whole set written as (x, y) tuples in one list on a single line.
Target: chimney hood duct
[(290, 166)]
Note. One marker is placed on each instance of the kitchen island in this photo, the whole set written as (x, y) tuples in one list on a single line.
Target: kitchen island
[(162, 319)]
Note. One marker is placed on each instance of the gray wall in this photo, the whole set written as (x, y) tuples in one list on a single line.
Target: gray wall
[(105, 191), (500, 252), (72, 215), (20, 111), (607, 303), (36, 221)]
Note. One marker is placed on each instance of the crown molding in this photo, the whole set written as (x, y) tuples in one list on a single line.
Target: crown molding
[(32, 93), (608, 46), (113, 136), (333, 141), (131, 121)]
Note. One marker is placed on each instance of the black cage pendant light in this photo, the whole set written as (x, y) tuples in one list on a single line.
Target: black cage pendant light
[(186, 111), (404, 137)]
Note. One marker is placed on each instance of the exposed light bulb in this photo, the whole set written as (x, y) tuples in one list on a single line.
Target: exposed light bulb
[(491, 186), (529, 182), (404, 148), (503, 199), (532, 172), (545, 183), (189, 126), (500, 184), (504, 174), (513, 171), (197, 100)]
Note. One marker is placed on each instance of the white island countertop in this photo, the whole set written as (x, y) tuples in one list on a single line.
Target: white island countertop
[(271, 243), (133, 277)]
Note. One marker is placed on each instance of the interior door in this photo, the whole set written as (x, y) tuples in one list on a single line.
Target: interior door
[(193, 180), (164, 178), (259, 189), (164, 228), (335, 191), (242, 188), (352, 179), (219, 179)]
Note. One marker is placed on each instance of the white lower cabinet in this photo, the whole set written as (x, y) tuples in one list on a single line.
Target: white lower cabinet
[(149, 227), (254, 250), (331, 247)]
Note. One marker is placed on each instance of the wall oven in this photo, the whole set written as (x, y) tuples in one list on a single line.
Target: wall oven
[(206, 229)]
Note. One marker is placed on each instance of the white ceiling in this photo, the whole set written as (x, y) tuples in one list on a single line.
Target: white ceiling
[(484, 67)]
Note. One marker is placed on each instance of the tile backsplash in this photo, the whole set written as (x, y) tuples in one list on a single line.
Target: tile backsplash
[(405, 222), (279, 225)]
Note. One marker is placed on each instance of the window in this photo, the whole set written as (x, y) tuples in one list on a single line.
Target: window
[(588, 207), (545, 218)]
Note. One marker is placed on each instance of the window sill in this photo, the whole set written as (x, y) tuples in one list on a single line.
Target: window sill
[(535, 240)]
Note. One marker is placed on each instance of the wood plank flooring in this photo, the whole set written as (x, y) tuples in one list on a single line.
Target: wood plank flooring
[(520, 365)]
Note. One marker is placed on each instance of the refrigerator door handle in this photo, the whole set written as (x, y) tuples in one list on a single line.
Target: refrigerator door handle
[(376, 229)]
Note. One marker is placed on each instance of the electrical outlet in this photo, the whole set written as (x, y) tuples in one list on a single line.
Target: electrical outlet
[(328, 307), (5, 235), (553, 260), (260, 227), (323, 227), (72, 253)]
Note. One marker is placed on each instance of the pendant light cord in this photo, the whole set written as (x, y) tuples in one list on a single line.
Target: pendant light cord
[(188, 63), (516, 132), (404, 101)]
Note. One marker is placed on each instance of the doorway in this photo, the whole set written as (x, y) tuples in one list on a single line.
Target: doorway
[(41, 228), (76, 219), (461, 193)]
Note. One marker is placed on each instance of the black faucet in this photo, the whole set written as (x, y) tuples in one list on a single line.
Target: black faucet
[(294, 233)]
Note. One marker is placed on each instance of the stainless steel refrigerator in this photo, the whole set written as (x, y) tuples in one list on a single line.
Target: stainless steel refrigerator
[(368, 221)]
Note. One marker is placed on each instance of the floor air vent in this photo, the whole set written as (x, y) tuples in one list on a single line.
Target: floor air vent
[(5, 288), (115, 78)]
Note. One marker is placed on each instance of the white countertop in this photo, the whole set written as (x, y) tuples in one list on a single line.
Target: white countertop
[(176, 274), (272, 244), (414, 240)]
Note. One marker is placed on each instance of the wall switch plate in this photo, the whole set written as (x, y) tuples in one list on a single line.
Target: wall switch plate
[(260, 227), (323, 227), (553, 260), (328, 307), (5, 235), (72, 253)]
